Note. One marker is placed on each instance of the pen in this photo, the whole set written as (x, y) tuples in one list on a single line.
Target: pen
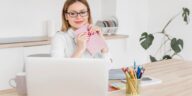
[(125, 70), (141, 72), (135, 65), (135, 71), (132, 72), (138, 71)]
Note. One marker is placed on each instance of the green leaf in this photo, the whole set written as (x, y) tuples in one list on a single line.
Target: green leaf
[(177, 45), (146, 40), (167, 57), (153, 59), (185, 15)]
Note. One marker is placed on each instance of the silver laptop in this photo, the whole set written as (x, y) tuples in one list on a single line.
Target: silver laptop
[(48, 76)]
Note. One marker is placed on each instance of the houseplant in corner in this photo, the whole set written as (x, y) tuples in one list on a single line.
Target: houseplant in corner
[(175, 44)]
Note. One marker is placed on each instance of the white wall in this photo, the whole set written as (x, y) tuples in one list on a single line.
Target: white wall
[(133, 19), (159, 16), (24, 17), (28, 17), (137, 16), (96, 7), (109, 8)]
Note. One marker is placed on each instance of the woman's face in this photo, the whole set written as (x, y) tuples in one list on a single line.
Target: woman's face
[(77, 15)]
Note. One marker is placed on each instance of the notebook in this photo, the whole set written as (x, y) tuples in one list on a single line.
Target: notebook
[(148, 80), (145, 81), (47, 76), (95, 43), (116, 74)]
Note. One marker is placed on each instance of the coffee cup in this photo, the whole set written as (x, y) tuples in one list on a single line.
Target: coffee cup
[(19, 83)]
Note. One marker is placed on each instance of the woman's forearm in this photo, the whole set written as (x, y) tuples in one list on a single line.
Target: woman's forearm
[(77, 53)]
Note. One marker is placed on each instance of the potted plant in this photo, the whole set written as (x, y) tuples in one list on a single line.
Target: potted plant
[(175, 44)]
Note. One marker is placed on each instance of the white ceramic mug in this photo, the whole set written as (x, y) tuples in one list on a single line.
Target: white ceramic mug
[(20, 83)]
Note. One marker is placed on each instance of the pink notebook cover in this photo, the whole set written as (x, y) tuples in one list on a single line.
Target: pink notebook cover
[(95, 43)]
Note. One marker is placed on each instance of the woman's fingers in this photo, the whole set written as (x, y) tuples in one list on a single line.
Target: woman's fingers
[(94, 29), (83, 36), (90, 27)]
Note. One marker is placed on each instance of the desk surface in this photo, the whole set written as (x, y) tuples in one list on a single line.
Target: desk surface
[(176, 76)]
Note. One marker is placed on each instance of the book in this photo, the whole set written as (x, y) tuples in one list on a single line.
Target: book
[(118, 85), (112, 89), (95, 42), (148, 80), (116, 74), (145, 81)]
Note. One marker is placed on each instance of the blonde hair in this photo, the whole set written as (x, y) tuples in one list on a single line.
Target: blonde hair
[(65, 24)]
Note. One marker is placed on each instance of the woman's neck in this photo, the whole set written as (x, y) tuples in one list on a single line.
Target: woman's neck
[(73, 28)]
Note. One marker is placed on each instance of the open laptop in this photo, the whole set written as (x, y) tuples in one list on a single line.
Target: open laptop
[(48, 76)]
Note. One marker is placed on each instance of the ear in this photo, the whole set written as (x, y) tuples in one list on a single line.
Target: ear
[(66, 17)]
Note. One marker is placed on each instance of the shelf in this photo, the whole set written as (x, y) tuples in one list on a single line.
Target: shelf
[(115, 36), (24, 42), (38, 41)]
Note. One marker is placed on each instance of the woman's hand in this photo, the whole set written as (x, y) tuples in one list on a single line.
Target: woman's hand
[(95, 29), (81, 41)]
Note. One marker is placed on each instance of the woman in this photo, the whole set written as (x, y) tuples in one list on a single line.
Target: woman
[(75, 14)]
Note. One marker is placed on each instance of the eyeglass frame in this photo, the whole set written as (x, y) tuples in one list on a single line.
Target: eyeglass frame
[(77, 13)]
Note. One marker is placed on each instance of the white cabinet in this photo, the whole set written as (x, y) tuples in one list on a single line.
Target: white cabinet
[(44, 49), (11, 63)]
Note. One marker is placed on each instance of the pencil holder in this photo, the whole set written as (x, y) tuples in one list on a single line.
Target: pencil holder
[(132, 87)]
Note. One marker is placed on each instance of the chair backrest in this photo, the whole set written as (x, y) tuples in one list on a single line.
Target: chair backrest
[(36, 55), (40, 55)]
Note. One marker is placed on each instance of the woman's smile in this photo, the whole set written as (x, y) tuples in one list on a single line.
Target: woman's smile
[(79, 21)]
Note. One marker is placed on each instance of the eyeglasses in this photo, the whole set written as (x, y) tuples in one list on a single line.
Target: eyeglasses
[(75, 14)]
